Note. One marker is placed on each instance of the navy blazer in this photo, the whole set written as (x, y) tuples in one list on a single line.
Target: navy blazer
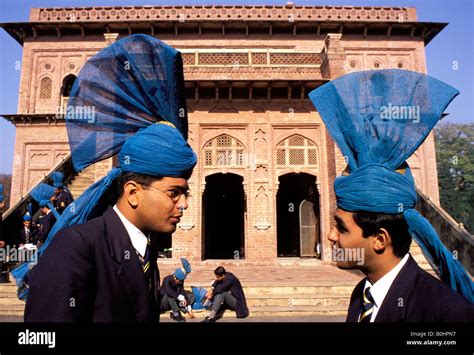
[(47, 223), (415, 296), (65, 199), (91, 273), (231, 283)]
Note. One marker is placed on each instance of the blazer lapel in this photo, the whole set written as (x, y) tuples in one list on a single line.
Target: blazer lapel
[(355, 303), (130, 271), (394, 305)]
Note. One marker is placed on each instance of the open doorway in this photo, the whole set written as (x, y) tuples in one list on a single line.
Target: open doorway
[(298, 216), (223, 216)]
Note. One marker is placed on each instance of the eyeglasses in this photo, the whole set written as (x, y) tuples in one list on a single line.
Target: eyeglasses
[(174, 194)]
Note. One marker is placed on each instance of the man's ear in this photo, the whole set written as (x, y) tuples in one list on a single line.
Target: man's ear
[(382, 240), (131, 193)]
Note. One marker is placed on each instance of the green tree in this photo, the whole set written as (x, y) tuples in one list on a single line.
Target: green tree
[(455, 161)]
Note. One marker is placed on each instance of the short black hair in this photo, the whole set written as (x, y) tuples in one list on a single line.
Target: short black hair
[(219, 271), (142, 179), (395, 224)]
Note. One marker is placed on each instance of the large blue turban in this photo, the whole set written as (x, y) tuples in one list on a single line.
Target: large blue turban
[(42, 194), (128, 99), (378, 119), (57, 178)]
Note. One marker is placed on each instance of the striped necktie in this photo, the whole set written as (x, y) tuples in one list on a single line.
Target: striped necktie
[(146, 265), (367, 308)]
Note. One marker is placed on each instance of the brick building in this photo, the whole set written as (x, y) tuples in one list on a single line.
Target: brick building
[(262, 187)]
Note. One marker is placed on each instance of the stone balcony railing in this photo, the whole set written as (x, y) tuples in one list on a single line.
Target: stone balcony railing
[(255, 64)]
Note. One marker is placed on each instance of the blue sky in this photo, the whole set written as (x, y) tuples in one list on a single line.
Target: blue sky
[(449, 56)]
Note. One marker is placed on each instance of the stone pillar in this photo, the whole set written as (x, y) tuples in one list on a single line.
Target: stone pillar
[(334, 57)]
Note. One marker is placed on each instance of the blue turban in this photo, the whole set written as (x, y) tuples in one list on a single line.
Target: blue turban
[(378, 119), (2, 198), (58, 178), (182, 272), (26, 217), (128, 99), (42, 194)]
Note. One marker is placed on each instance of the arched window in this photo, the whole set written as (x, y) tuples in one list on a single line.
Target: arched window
[(223, 151), (46, 86), (66, 88), (297, 151)]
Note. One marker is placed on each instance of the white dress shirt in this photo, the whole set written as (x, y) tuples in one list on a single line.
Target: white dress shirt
[(380, 289), (137, 237)]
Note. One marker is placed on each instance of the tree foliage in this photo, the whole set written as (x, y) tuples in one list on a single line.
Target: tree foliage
[(455, 161)]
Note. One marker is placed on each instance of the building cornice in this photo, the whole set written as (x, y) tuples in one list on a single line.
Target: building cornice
[(37, 31)]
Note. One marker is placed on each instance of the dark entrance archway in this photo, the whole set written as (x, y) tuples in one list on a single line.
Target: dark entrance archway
[(297, 216), (223, 215)]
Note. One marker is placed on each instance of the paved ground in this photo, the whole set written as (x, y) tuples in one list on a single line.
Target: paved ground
[(166, 319), (293, 273)]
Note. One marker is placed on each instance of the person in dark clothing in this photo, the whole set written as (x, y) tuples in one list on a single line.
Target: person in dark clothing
[(47, 222), (173, 295), (226, 292), (62, 197), (28, 232), (101, 266)]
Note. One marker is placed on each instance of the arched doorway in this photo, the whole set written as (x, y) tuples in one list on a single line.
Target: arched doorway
[(298, 216), (223, 208)]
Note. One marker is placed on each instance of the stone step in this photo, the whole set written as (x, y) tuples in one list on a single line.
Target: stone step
[(276, 311), (298, 290), (298, 300), (80, 185), (11, 301), (12, 309)]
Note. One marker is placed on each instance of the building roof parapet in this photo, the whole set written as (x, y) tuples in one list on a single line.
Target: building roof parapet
[(224, 12)]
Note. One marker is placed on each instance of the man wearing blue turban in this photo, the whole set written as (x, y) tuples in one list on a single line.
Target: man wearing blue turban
[(378, 119), (28, 232), (173, 295), (62, 196), (43, 194), (99, 262)]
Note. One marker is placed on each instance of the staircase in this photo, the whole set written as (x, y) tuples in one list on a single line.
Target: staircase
[(420, 259), (10, 305), (82, 181)]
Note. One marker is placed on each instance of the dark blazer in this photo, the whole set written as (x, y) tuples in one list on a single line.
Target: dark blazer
[(415, 296), (64, 200), (91, 273), (47, 223), (231, 283), (172, 289), (33, 232)]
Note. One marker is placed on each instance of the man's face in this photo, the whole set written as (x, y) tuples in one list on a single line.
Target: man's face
[(220, 278), (177, 282), (347, 236), (157, 211), (27, 224), (2, 205)]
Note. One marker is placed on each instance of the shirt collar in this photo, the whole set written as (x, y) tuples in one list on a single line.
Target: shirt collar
[(137, 237), (380, 288)]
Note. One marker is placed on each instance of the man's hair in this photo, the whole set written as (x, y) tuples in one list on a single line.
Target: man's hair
[(219, 271), (395, 225), (142, 179)]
